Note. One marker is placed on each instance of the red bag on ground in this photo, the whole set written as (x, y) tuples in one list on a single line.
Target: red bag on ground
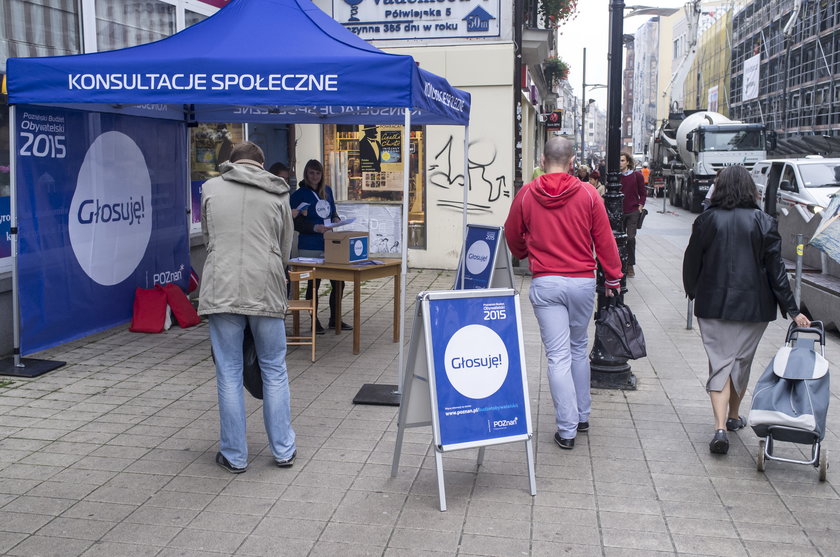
[(185, 313), (149, 311), (194, 282)]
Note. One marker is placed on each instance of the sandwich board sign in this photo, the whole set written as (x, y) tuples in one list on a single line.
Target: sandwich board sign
[(486, 258), (465, 376)]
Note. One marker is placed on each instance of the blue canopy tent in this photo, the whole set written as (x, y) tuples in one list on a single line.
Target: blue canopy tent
[(281, 61)]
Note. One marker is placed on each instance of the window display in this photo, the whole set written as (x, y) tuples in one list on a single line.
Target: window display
[(210, 145), (364, 163)]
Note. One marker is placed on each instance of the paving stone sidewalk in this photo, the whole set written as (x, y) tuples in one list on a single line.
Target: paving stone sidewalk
[(113, 454)]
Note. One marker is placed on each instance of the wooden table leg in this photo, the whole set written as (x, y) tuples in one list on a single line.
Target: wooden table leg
[(357, 311), (397, 280), (339, 293)]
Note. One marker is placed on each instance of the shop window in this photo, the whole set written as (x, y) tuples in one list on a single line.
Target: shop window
[(31, 28), (121, 24), (191, 18), (210, 145), (364, 164)]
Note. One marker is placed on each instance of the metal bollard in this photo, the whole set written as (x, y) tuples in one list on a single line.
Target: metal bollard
[(689, 314)]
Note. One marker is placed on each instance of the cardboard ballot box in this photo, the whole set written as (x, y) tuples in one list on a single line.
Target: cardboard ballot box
[(345, 247)]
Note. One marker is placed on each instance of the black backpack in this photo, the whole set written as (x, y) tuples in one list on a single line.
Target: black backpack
[(619, 332)]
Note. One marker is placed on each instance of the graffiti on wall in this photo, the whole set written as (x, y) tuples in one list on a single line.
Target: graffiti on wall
[(487, 183)]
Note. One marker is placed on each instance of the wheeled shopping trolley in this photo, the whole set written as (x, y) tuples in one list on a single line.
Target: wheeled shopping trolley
[(790, 400)]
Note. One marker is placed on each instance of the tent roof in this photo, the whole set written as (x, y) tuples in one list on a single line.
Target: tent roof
[(286, 60)]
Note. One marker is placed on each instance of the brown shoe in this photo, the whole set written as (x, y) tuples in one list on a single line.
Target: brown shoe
[(630, 271)]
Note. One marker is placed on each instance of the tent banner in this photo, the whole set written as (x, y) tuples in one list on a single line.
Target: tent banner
[(101, 200), (5, 227)]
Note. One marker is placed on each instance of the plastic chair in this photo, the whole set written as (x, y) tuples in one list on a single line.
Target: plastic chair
[(298, 306)]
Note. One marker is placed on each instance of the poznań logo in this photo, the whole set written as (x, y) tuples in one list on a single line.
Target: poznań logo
[(111, 213), (476, 361)]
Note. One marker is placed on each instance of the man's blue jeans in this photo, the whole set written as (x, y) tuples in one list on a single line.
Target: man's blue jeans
[(563, 306), (226, 334)]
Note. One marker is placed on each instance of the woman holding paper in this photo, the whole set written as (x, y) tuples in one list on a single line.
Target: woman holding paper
[(316, 204)]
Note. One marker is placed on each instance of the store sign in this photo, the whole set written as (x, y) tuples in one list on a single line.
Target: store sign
[(100, 202), (554, 120), (419, 19)]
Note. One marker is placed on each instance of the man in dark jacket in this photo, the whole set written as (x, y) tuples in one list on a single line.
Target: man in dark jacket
[(555, 221)]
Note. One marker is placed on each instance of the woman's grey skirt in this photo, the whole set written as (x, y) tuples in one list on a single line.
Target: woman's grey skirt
[(730, 346)]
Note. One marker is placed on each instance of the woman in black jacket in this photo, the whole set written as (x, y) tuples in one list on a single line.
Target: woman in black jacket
[(733, 270)]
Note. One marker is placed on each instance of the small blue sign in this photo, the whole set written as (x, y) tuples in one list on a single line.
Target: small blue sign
[(478, 20), (478, 379), (358, 249), (481, 247)]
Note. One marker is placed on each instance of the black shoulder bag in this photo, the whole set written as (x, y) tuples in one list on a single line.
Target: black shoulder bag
[(619, 332)]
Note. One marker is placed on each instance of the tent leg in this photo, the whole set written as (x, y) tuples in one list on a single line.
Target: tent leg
[(463, 261), (16, 366), (390, 395)]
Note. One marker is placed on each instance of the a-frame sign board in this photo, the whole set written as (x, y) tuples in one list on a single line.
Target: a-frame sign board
[(486, 258), (465, 376)]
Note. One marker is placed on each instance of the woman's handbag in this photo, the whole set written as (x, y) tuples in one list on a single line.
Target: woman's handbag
[(619, 332)]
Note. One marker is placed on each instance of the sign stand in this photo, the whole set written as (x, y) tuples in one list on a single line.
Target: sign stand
[(488, 261), (465, 376)]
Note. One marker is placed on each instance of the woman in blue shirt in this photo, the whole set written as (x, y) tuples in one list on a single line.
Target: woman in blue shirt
[(309, 224)]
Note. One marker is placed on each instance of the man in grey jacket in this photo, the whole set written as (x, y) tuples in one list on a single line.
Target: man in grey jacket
[(247, 227)]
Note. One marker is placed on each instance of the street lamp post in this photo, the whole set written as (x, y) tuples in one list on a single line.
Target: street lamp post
[(609, 371)]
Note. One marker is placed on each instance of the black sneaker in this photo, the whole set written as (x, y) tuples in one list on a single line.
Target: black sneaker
[(286, 463), (344, 326), (583, 427), (319, 329), (564, 443), (719, 443), (225, 463)]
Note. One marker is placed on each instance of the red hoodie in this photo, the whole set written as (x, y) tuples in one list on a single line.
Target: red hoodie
[(555, 221)]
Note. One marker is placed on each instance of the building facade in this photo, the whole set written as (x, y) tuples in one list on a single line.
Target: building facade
[(708, 80), (645, 83), (786, 72), (509, 98)]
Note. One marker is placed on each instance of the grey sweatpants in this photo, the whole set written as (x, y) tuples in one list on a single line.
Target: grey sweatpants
[(563, 306)]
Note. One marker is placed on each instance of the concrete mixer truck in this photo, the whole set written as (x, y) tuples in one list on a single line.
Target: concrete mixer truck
[(689, 148)]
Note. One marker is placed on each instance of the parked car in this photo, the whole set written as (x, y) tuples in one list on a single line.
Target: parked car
[(786, 183)]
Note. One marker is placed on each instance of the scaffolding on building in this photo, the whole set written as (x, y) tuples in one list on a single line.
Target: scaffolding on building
[(798, 92)]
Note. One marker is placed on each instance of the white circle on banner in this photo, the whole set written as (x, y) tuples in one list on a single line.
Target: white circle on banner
[(110, 219), (358, 247), (476, 361), (322, 208), (478, 256)]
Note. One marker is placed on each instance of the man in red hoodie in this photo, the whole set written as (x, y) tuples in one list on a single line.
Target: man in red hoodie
[(555, 221)]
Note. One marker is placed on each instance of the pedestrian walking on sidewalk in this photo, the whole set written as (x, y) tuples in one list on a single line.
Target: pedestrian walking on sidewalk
[(635, 195), (554, 221), (247, 226), (733, 271)]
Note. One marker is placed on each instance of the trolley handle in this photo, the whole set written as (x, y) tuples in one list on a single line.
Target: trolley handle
[(816, 328)]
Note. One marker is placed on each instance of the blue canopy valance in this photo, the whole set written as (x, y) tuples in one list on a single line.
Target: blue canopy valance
[(253, 61)]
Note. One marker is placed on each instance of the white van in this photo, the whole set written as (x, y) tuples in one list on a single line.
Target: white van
[(808, 183)]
